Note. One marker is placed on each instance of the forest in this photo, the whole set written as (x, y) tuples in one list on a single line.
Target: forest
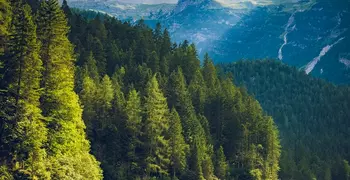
[(87, 96), (312, 116)]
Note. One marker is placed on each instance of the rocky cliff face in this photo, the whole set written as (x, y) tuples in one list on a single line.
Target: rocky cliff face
[(313, 35)]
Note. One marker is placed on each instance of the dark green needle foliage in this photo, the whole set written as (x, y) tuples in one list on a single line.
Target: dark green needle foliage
[(312, 116), (146, 105), (23, 127)]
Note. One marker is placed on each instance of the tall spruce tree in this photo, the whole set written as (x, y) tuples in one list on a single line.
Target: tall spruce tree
[(178, 147), (221, 166), (134, 125), (23, 134), (105, 96), (67, 143), (156, 127), (194, 132), (271, 166)]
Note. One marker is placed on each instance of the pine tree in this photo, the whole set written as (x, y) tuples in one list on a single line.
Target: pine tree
[(105, 95), (67, 143), (194, 133), (113, 57), (190, 63), (90, 67), (154, 62), (156, 127), (221, 166), (158, 35), (66, 9), (210, 76), (133, 125), (119, 99), (100, 55), (179, 98), (25, 132), (166, 44), (197, 89), (273, 149), (178, 147), (88, 99)]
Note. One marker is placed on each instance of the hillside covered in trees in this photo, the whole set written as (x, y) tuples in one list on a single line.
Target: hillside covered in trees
[(312, 115), (107, 99)]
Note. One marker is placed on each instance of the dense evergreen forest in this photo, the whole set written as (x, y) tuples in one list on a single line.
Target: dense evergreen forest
[(312, 115), (92, 98)]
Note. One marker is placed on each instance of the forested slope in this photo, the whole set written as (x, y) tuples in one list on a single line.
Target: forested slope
[(42, 131), (153, 111), (312, 115), (148, 107)]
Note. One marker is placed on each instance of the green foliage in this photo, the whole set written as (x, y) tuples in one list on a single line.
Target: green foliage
[(5, 20), (221, 166), (311, 115), (134, 126), (211, 111), (156, 126), (178, 147), (345, 170), (214, 130), (24, 129), (67, 143)]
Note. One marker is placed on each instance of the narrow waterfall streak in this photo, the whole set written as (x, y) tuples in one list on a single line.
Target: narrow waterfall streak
[(287, 30), (311, 65)]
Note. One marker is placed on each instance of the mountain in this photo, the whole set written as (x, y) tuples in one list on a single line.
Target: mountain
[(311, 35), (124, 10)]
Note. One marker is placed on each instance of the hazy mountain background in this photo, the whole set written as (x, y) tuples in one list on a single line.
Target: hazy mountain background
[(309, 34)]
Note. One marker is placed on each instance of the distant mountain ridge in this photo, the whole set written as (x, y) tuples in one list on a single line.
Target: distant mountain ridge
[(311, 35)]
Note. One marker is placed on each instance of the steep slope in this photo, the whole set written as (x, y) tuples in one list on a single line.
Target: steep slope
[(313, 36), (130, 78), (124, 10), (309, 34), (200, 21), (312, 116)]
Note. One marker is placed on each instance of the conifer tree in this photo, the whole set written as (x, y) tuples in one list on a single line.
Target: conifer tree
[(67, 143), (178, 147), (118, 85), (154, 62), (158, 35), (88, 99), (194, 132), (210, 76), (105, 95), (25, 132), (66, 9), (156, 127), (113, 57), (221, 166), (90, 67), (273, 150), (180, 99), (166, 44), (133, 124), (100, 55), (190, 63), (197, 89)]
